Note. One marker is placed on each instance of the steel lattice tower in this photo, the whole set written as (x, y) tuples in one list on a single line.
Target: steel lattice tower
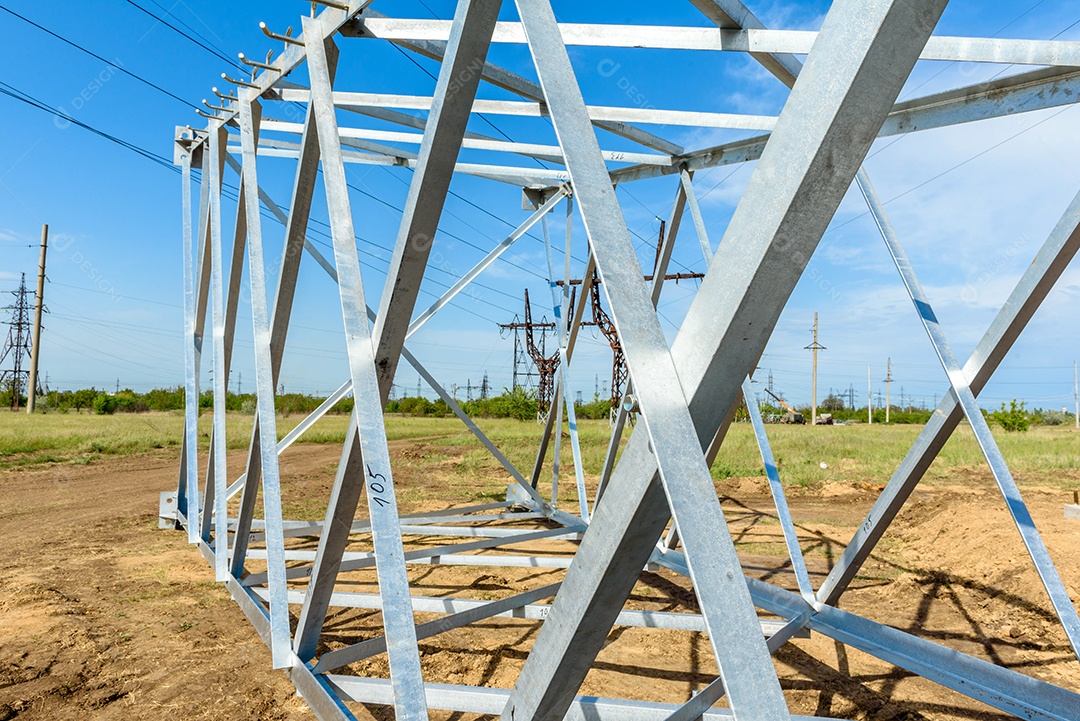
[(17, 345), (656, 504)]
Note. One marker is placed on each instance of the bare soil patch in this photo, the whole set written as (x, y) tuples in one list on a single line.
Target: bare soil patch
[(104, 616)]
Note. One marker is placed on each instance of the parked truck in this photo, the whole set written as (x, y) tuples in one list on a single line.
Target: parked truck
[(792, 416)]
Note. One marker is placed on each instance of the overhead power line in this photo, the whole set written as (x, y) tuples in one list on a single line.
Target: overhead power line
[(177, 18), (30, 100), (214, 51), (94, 55)]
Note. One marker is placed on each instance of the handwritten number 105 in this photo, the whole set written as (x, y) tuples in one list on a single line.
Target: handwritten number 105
[(376, 485)]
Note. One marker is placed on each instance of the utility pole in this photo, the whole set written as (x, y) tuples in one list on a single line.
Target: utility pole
[(417, 386), (35, 349), (1076, 397), (239, 384), (815, 347), (888, 390), (485, 388), (117, 385), (514, 382), (869, 397)]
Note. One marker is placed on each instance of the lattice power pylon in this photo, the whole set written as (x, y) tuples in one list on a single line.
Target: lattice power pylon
[(546, 365), (287, 575), (17, 346)]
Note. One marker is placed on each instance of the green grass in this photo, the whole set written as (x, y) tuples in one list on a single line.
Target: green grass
[(869, 454)]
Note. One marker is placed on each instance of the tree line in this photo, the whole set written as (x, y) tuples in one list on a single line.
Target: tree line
[(512, 403)]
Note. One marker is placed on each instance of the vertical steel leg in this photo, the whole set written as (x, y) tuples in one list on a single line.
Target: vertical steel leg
[(235, 282), (575, 326), (232, 302), (202, 294), (560, 304), (296, 223), (367, 420), (280, 646), (188, 500), (562, 310), (216, 470)]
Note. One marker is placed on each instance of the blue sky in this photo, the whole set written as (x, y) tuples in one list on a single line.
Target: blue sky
[(972, 203)]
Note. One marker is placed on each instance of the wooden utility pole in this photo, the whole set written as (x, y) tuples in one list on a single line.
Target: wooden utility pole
[(869, 397), (888, 389), (815, 347), (35, 349)]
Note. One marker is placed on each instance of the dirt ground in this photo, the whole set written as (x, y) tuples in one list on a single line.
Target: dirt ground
[(102, 615)]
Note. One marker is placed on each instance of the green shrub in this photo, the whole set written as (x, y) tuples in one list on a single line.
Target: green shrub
[(1013, 419), (596, 410), (165, 399), (516, 403), (1051, 418), (104, 404), (84, 398)]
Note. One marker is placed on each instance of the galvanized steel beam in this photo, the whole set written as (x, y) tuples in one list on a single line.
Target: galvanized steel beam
[(751, 40), (866, 51), (295, 238)]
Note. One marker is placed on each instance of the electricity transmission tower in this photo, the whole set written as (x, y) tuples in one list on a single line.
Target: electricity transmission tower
[(618, 360), (523, 373), (601, 320), (17, 346), (534, 349), (806, 160), (546, 365)]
